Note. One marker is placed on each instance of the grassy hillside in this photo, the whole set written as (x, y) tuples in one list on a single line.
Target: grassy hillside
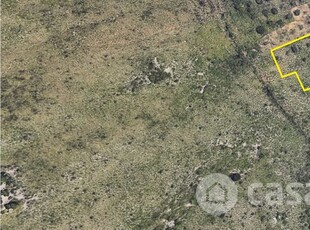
[(112, 112)]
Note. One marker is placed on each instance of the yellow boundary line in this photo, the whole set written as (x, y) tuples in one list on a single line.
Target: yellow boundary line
[(305, 89)]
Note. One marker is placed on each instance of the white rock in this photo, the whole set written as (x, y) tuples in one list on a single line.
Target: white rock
[(170, 224)]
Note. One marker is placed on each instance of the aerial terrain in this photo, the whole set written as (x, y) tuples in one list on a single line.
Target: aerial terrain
[(113, 111)]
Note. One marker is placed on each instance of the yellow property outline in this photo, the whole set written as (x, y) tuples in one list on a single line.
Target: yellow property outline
[(291, 73)]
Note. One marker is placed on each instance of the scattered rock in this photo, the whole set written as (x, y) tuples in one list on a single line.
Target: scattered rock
[(154, 74), (235, 176), (12, 195), (169, 224)]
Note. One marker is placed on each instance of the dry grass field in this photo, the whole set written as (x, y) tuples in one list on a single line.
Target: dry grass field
[(113, 111)]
